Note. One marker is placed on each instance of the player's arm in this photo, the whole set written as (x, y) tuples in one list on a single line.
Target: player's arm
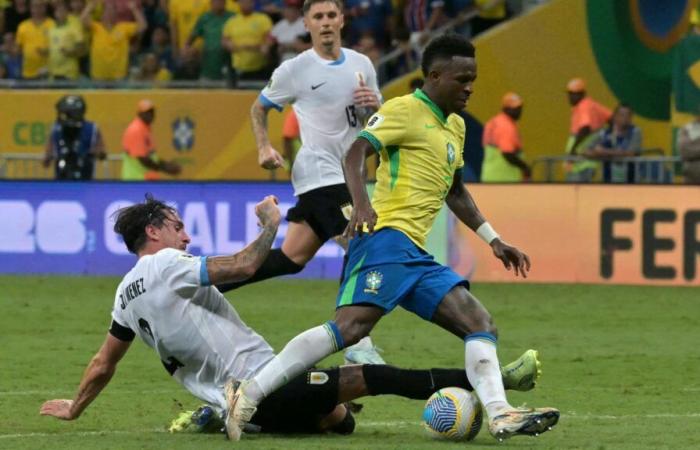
[(355, 171), (96, 376), (268, 157), (244, 264), (461, 203)]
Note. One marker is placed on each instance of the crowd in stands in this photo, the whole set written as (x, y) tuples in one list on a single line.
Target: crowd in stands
[(155, 41)]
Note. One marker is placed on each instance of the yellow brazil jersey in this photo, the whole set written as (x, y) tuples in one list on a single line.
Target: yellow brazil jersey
[(248, 30), (420, 150), (63, 37), (77, 26), (185, 14), (33, 39), (109, 50)]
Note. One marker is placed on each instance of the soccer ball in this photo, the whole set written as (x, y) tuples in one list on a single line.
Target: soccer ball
[(452, 414)]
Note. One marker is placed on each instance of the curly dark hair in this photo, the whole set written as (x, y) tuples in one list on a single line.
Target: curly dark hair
[(131, 221), (445, 47)]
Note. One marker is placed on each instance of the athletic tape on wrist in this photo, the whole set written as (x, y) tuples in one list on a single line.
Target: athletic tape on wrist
[(486, 232)]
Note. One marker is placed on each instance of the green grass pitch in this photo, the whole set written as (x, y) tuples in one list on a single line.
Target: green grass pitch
[(622, 364)]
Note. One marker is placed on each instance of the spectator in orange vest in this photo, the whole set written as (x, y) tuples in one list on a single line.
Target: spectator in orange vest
[(502, 145), (140, 160), (587, 117)]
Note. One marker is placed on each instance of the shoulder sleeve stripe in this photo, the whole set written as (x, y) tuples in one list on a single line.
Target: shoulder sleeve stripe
[(372, 140), (203, 273), (267, 103), (121, 332)]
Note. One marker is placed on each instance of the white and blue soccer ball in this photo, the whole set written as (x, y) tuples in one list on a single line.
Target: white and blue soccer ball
[(452, 414)]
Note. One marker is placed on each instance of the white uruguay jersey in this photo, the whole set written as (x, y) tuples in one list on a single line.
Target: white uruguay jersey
[(321, 94), (199, 337)]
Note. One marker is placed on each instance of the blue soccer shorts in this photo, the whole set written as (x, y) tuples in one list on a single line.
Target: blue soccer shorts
[(386, 269)]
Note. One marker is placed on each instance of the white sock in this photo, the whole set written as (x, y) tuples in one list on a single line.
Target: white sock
[(302, 352), (484, 373)]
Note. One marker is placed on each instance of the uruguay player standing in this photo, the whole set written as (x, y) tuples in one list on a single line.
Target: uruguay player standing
[(418, 137), (332, 90)]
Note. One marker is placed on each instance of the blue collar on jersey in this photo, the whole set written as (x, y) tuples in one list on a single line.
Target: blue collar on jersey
[(340, 60)]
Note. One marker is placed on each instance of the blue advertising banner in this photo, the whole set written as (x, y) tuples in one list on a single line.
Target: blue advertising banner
[(66, 228)]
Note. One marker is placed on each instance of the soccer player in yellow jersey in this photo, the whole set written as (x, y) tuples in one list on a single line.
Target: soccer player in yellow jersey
[(418, 137)]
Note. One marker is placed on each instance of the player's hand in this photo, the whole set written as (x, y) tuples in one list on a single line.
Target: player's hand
[(58, 408), (267, 211), (364, 97), (511, 257), (269, 158), (361, 215)]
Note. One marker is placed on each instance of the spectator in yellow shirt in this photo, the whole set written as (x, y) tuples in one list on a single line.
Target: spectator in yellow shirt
[(183, 16), (109, 49), (245, 35), (33, 41), (65, 45)]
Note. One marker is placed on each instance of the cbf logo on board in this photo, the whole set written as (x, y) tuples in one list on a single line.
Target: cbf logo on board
[(183, 134)]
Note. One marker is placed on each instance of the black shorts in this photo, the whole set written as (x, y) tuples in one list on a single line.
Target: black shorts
[(298, 406), (322, 209)]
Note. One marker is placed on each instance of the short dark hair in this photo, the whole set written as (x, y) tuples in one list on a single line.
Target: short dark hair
[(309, 3), (131, 221), (445, 47)]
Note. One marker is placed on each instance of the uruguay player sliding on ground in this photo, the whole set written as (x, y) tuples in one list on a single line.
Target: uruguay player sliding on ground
[(168, 300), (418, 137), (332, 89)]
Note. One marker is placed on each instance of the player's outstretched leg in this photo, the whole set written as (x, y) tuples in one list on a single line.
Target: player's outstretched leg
[(463, 315), (350, 325), (302, 352), (377, 379)]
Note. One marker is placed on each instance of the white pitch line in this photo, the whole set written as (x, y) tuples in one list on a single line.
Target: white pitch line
[(360, 424)]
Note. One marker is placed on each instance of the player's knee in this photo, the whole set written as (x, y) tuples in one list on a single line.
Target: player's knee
[(352, 331)]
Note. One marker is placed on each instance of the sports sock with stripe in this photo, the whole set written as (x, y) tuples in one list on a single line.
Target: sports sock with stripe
[(302, 352), (484, 372)]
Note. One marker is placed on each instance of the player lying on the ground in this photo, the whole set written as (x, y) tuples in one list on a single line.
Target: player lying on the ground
[(169, 300)]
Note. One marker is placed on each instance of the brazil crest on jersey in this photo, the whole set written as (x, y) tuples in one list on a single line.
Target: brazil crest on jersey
[(420, 149)]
